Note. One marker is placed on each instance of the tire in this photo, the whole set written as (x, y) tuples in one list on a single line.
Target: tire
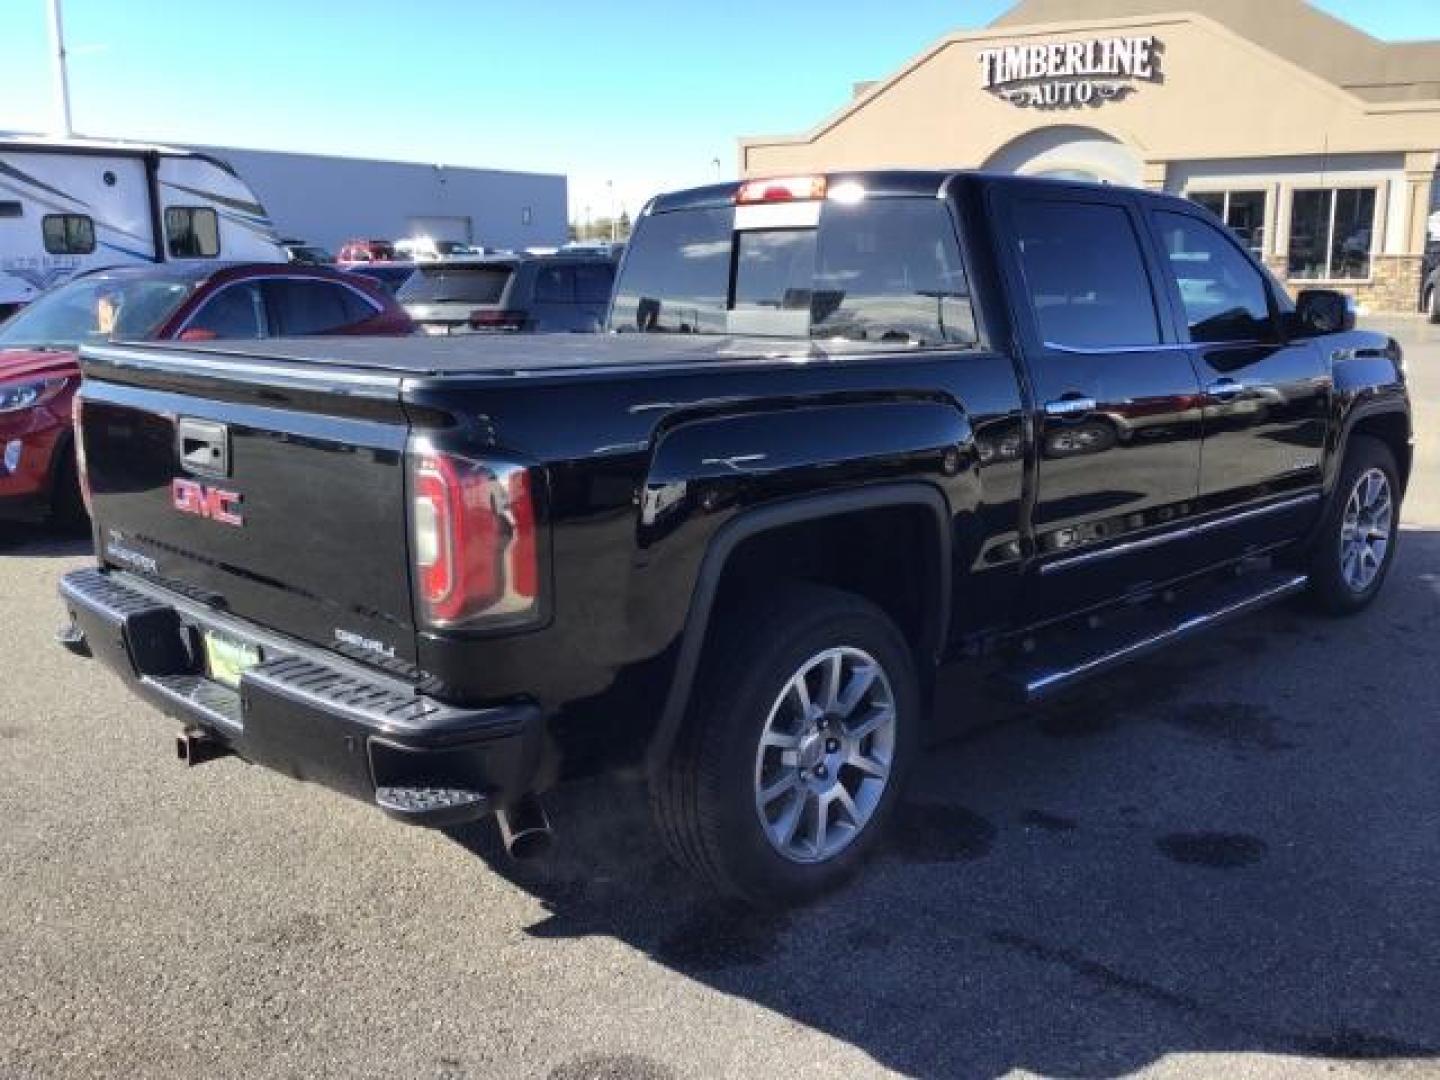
[(67, 505), (1345, 579), (706, 800)]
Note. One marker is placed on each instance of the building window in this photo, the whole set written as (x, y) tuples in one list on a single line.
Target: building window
[(526, 216), (1332, 234), (192, 232), (1242, 211), (68, 234)]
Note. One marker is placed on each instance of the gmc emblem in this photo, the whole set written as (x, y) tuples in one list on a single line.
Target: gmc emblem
[(216, 504)]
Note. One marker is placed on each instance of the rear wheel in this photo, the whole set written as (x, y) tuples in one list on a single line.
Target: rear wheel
[(67, 505), (1358, 537), (805, 721)]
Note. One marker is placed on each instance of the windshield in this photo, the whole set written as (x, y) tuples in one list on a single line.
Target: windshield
[(882, 271), (95, 309), (449, 283)]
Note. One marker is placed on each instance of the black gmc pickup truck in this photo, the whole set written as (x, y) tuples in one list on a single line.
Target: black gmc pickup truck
[(843, 430)]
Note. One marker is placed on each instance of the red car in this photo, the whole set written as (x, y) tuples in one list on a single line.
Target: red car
[(39, 369), (366, 251)]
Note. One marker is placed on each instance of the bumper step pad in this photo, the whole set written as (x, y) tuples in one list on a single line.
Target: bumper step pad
[(432, 806)]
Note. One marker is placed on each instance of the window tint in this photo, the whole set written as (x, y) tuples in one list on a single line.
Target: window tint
[(192, 232), (1085, 275), (890, 270), (310, 307), (554, 285), (234, 312), (68, 234), (594, 282), (1224, 295), (677, 273), (774, 276), (457, 283)]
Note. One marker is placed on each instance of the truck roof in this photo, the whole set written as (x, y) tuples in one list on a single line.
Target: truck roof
[(878, 184)]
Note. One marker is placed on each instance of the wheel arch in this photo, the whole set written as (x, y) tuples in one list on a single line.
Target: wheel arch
[(726, 551)]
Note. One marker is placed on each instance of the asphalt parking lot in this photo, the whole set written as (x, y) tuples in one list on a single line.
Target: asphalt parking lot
[(1224, 861)]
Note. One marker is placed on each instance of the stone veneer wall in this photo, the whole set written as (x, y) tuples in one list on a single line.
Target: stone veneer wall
[(1393, 288)]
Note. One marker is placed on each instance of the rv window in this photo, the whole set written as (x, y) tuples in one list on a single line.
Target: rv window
[(68, 234), (11, 209), (192, 232)]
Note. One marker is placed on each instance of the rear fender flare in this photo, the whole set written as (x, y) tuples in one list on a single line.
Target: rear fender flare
[(779, 515)]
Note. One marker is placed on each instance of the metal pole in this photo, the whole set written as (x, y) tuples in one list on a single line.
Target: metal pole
[(62, 78)]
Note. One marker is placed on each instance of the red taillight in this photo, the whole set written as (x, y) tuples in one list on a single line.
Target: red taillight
[(82, 467), (781, 189), (488, 319), (474, 533)]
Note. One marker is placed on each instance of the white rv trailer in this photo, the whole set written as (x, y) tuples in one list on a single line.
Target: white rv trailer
[(72, 205)]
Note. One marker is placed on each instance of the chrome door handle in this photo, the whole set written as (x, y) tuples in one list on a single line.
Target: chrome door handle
[(1225, 388), (1070, 406)]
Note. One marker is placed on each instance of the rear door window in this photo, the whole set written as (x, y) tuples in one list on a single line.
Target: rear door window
[(1085, 276), (300, 308), (236, 311)]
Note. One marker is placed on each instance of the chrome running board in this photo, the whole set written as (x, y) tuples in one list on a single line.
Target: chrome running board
[(1050, 670)]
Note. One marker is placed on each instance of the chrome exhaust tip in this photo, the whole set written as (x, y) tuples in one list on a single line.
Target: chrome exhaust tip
[(195, 746), (525, 828)]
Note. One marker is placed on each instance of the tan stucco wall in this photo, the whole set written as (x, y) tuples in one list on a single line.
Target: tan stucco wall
[(1222, 100), (1221, 96)]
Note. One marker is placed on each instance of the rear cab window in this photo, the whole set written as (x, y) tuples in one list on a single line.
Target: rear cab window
[(876, 270)]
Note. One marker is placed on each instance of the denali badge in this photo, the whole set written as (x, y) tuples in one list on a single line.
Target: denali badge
[(217, 504)]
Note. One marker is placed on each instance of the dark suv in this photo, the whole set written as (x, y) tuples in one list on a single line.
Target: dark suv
[(512, 292)]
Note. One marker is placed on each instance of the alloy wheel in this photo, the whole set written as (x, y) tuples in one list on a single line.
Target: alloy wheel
[(825, 755), (1365, 530)]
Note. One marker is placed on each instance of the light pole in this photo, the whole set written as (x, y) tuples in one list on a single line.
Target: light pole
[(716, 163), (62, 79)]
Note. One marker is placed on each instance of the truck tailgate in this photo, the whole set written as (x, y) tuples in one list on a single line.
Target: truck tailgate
[(275, 492)]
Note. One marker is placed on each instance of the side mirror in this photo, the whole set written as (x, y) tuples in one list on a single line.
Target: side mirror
[(197, 334), (1324, 311)]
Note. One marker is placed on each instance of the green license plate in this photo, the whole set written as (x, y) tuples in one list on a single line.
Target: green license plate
[(226, 658)]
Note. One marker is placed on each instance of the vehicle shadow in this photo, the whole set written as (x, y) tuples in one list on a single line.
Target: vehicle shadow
[(44, 540), (1230, 848)]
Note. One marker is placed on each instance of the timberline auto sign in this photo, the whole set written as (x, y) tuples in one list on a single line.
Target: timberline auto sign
[(1069, 74)]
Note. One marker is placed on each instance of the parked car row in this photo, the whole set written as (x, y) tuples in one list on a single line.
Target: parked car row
[(39, 370)]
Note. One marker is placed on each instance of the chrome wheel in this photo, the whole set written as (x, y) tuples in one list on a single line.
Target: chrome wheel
[(1365, 530), (825, 754)]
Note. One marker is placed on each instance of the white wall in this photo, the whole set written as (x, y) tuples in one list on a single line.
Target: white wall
[(328, 200)]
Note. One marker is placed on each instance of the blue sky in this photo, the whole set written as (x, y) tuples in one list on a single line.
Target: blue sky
[(642, 92)]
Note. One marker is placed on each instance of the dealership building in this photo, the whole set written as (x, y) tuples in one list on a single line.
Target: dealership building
[(1318, 144)]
